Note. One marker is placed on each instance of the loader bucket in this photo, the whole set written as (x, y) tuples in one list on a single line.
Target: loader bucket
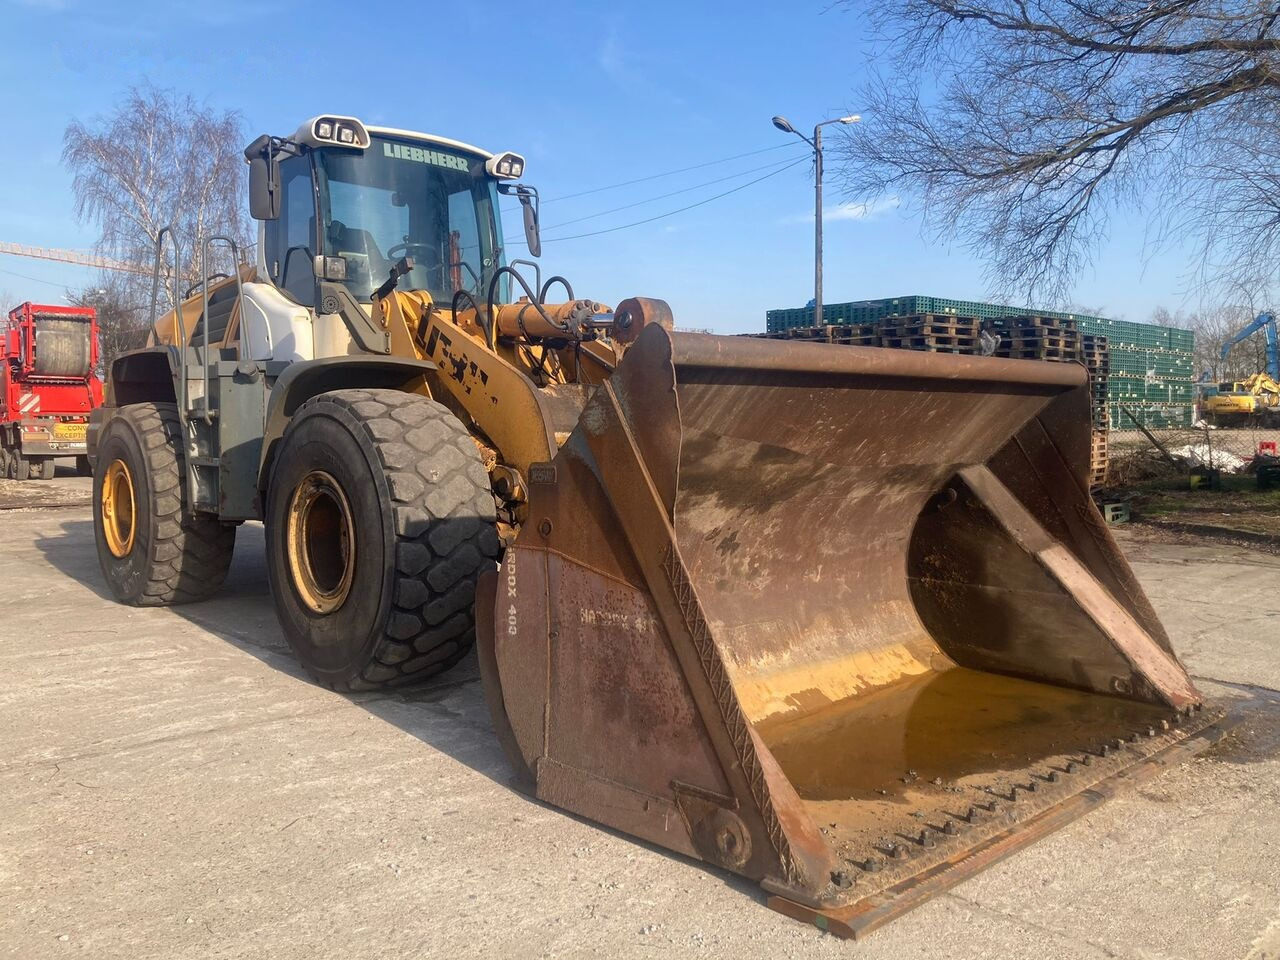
[(843, 620)]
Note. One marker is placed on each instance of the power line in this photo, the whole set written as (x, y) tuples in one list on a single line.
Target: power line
[(663, 196), (671, 213), (670, 173), (23, 276)]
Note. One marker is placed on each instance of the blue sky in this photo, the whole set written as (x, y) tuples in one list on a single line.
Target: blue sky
[(592, 94)]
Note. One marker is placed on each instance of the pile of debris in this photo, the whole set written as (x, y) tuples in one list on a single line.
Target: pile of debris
[(1204, 455)]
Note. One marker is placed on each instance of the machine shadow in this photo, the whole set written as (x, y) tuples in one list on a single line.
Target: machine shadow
[(448, 712)]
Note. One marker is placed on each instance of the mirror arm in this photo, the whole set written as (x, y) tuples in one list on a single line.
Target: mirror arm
[(529, 200)]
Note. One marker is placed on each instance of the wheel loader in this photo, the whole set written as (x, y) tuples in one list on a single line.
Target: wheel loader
[(842, 620)]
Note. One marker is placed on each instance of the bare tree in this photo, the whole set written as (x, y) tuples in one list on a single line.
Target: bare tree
[(1213, 327), (122, 318), (1025, 126), (158, 159)]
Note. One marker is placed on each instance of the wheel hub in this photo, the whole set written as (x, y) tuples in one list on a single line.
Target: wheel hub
[(118, 509), (320, 542)]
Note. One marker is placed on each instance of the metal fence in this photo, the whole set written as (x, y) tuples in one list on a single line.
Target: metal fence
[(1231, 450)]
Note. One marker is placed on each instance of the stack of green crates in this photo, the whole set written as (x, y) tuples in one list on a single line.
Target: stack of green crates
[(1152, 372)]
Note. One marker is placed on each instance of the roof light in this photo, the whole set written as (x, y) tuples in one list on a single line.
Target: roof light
[(325, 131), (505, 166)]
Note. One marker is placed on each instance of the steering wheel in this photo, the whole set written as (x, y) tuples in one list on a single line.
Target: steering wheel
[(432, 262)]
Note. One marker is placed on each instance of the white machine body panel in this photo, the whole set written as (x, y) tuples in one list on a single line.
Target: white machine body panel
[(273, 327)]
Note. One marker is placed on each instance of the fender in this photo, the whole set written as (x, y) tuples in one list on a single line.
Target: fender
[(146, 375), (305, 379)]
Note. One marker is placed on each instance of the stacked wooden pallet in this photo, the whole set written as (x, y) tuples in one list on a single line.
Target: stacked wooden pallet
[(931, 332), (850, 334), (1098, 457), (855, 334), (1096, 357), (1038, 338)]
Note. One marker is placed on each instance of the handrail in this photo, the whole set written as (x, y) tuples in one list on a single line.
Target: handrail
[(177, 311)]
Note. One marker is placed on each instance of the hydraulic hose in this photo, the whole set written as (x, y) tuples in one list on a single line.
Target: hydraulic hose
[(485, 320), (534, 301), (542, 294)]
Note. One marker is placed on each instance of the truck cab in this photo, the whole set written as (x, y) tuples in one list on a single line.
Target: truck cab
[(48, 386)]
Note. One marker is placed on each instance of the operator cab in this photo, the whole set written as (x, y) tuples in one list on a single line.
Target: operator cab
[(341, 202)]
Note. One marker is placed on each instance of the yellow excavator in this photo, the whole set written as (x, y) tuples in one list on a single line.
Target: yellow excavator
[(1239, 402), (842, 620)]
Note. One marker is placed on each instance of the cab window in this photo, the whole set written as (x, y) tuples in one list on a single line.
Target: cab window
[(290, 242)]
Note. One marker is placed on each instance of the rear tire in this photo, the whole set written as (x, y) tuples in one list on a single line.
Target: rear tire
[(43, 469), (380, 518), (19, 466), (152, 552)]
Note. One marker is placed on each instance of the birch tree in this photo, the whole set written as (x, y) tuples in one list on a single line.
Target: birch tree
[(158, 159)]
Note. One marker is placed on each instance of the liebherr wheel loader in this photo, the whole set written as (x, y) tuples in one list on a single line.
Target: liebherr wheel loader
[(843, 620)]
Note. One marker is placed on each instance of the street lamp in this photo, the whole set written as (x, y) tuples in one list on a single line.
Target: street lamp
[(783, 124)]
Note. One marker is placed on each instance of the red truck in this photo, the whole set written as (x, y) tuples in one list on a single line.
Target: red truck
[(48, 386)]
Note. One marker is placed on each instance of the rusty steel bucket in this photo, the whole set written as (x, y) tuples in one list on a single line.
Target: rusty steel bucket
[(843, 620)]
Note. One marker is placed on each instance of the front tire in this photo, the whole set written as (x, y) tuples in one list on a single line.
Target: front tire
[(151, 550), (380, 518)]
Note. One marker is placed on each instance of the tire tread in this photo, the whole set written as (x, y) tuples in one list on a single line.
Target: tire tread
[(434, 475), (190, 554)]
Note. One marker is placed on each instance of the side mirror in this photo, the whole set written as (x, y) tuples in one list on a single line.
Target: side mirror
[(528, 198), (264, 180), (531, 234)]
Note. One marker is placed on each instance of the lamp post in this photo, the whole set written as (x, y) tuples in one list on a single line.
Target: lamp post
[(783, 124)]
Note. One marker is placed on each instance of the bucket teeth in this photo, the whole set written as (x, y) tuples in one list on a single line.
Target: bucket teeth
[(950, 828)]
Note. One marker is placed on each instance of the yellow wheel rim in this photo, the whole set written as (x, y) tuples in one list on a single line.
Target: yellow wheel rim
[(118, 509), (320, 542)]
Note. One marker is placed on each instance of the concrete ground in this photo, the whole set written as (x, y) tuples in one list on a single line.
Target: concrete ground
[(172, 786)]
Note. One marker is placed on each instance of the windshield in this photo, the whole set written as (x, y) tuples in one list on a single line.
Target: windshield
[(404, 198)]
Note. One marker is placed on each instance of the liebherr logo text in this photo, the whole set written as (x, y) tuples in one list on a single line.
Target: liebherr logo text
[(400, 151), (511, 596)]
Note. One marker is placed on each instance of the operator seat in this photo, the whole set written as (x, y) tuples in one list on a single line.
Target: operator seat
[(344, 239)]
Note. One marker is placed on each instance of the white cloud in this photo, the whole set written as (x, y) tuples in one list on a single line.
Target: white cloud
[(847, 211)]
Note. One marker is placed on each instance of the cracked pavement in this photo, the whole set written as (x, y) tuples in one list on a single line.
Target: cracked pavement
[(173, 786)]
